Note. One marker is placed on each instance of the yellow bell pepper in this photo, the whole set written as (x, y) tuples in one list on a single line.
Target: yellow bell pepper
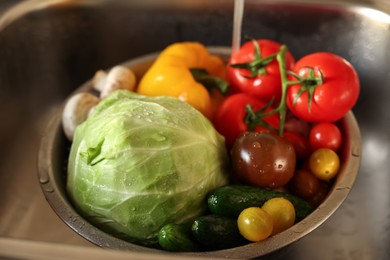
[(170, 75)]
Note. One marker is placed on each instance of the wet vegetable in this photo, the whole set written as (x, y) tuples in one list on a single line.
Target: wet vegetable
[(263, 159), (217, 232), (255, 71), (324, 163), (184, 70), (282, 212), (238, 114), (328, 87), (135, 165), (255, 224), (177, 237), (325, 135)]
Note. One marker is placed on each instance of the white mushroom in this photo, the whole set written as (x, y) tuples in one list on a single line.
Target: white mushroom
[(99, 80), (119, 77), (76, 111)]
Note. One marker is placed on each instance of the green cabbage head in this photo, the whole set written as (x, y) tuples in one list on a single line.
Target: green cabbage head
[(138, 163)]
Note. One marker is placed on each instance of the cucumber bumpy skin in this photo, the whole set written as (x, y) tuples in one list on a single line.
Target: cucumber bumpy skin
[(177, 238), (230, 200), (215, 232)]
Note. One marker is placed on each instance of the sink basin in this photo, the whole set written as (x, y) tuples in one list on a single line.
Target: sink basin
[(49, 48)]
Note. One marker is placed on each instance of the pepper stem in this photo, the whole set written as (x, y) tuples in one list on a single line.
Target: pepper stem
[(208, 81)]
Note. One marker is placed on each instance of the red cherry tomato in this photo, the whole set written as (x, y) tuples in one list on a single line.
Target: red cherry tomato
[(265, 84), (335, 91), (325, 135), (300, 143), (230, 117), (296, 125)]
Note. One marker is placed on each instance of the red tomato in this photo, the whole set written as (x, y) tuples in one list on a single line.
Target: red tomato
[(325, 135), (296, 125), (229, 119), (266, 83), (330, 99), (300, 143)]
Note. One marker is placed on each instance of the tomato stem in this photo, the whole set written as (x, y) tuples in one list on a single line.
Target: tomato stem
[(253, 119), (258, 64), (313, 79), (282, 108)]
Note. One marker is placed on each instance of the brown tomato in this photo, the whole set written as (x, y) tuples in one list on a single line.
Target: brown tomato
[(263, 159)]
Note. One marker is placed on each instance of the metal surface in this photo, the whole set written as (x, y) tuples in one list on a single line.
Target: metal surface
[(47, 50)]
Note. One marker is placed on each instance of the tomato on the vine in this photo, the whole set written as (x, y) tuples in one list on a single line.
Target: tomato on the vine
[(325, 135), (253, 69), (232, 117), (330, 88)]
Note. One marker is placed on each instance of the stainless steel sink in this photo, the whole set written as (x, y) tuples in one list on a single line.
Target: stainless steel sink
[(49, 48)]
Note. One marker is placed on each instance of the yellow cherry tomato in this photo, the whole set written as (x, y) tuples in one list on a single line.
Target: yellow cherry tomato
[(255, 224), (324, 163), (170, 75), (282, 212)]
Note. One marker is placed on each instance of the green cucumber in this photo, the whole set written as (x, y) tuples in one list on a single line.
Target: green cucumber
[(215, 232), (230, 200), (177, 237)]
